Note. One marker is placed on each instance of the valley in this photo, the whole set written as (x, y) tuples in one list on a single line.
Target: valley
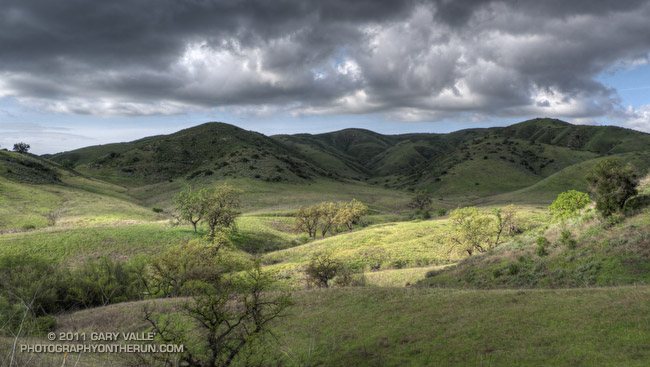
[(102, 218)]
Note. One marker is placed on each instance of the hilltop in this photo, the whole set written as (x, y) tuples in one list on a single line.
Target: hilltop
[(209, 149)]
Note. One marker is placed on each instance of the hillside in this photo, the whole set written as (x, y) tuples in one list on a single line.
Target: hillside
[(410, 327), (464, 165), (471, 163), (212, 149), (578, 252), (93, 228), (352, 152), (32, 188)]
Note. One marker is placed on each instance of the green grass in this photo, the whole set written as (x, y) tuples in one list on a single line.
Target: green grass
[(572, 177), (385, 246), (23, 206), (601, 257), (381, 246), (399, 277), (257, 234), (429, 327), (73, 245)]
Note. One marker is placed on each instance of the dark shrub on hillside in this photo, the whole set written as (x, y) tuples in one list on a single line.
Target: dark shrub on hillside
[(613, 184)]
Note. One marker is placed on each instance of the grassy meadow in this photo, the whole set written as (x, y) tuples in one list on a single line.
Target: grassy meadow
[(379, 326)]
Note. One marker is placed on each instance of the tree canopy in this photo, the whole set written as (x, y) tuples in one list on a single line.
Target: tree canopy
[(613, 184)]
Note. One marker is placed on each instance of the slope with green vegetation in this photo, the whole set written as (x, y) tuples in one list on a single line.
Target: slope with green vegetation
[(33, 188), (424, 327), (466, 165), (210, 149), (101, 233), (576, 252)]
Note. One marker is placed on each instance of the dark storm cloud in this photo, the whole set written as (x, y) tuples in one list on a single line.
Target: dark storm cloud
[(413, 59)]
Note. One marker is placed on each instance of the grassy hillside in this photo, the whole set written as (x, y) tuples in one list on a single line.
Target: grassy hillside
[(375, 249), (465, 165), (571, 177), (363, 153), (422, 327), (595, 253), (598, 139), (32, 187), (210, 149)]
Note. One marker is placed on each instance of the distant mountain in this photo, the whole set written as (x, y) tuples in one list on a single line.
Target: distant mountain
[(210, 149), (363, 153), (472, 162)]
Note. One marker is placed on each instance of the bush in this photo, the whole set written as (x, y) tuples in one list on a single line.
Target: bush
[(321, 269), (613, 185), (348, 276), (513, 269), (541, 241), (52, 216), (45, 324), (567, 241), (157, 209), (568, 204)]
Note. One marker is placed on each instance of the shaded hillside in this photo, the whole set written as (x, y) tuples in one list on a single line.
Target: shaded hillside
[(363, 153), (572, 176), (472, 163), (31, 188), (212, 149), (27, 168)]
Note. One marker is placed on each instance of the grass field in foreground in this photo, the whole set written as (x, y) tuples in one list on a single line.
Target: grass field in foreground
[(435, 327)]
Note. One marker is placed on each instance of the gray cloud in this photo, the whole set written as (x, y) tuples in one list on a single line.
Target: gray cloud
[(413, 60)]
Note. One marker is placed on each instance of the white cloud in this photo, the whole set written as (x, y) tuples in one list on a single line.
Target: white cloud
[(638, 118)]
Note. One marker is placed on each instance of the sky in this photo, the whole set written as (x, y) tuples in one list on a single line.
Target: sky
[(75, 73)]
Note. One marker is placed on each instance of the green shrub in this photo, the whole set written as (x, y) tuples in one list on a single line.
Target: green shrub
[(45, 324), (348, 276), (542, 241), (513, 269), (157, 209), (613, 185), (568, 204), (496, 273), (321, 269), (567, 241)]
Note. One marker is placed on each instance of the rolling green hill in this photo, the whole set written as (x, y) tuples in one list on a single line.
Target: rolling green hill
[(31, 187), (210, 149), (464, 165)]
